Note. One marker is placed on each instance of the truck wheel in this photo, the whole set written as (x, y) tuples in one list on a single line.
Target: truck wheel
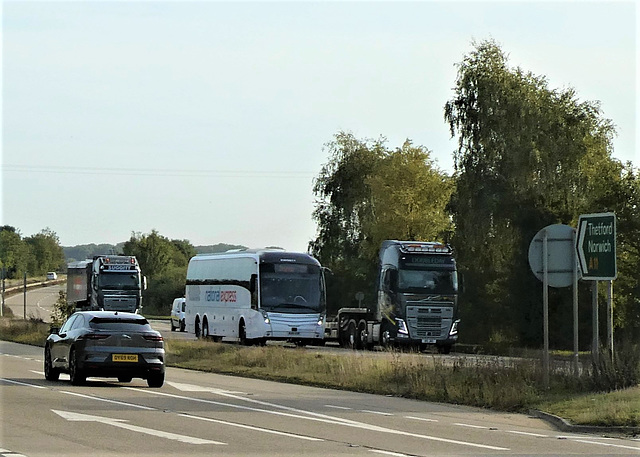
[(386, 335), (361, 342), (352, 335)]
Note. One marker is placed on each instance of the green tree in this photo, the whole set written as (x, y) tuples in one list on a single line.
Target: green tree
[(164, 262), (365, 194), (409, 195), (46, 252), (14, 252), (527, 156)]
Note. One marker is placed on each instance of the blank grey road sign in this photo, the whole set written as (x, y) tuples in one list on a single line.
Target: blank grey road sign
[(560, 255)]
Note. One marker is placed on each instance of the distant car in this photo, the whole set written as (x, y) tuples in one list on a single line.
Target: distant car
[(105, 344), (52, 275), (177, 314)]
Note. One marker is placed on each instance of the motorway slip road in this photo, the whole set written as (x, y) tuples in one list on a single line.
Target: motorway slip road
[(204, 414)]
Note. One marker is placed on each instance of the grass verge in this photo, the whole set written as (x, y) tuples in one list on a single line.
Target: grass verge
[(468, 381)]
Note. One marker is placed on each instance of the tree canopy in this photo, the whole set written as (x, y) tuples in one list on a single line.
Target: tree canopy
[(367, 193), (528, 156)]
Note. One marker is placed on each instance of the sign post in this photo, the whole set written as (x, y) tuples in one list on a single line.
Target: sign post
[(553, 261)]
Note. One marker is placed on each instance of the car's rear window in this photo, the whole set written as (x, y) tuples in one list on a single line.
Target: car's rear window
[(109, 323)]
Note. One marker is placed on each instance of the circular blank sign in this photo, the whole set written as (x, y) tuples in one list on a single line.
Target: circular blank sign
[(561, 254)]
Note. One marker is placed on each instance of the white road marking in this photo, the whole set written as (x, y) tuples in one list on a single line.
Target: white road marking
[(527, 433), (194, 388), (308, 415), (472, 426), (396, 454), (22, 383), (109, 401), (338, 407), (121, 423), (634, 448), (375, 412), (250, 427), (421, 419)]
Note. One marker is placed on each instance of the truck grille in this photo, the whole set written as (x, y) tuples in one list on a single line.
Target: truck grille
[(120, 303), (429, 321)]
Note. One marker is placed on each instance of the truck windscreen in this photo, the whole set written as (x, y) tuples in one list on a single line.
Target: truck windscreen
[(291, 288), (119, 281), (428, 281)]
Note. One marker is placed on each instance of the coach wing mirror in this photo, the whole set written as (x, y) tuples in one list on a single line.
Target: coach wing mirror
[(327, 270), (252, 283), (144, 283)]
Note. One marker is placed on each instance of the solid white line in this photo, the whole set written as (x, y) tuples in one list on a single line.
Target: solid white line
[(338, 407), (472, 426), (250, 427), (636, 448), (109, 401), (22, 383), (396, 454), (375, 412), (319, 418), (421, 419), (527, 433)]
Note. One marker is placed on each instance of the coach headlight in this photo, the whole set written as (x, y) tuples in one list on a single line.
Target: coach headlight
[(321, 321), (266, 317)]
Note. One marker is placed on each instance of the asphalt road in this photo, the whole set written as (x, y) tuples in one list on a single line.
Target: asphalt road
[(39, 304), (201, 414)]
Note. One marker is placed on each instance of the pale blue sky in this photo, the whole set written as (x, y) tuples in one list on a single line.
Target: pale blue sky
[(206, 120)]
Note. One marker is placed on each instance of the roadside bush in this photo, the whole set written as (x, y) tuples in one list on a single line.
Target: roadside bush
[(621, 372)]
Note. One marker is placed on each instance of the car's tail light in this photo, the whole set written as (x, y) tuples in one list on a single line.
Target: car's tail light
[(94, 336), (152, 337)]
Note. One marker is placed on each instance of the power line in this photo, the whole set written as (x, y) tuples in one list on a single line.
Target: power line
[(18, 168)]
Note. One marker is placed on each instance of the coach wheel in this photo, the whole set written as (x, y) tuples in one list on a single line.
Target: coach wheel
[(243, 334), (205, 329), (197, 327)]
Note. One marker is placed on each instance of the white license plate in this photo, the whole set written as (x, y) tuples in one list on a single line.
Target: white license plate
[(429, 340)]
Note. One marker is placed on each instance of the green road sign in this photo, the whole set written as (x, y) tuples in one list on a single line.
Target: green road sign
[(596, 246)]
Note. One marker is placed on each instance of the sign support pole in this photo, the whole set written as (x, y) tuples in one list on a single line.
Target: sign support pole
[(25, 296), (610, 318), (545, 309), (576, 348), (595, 344)]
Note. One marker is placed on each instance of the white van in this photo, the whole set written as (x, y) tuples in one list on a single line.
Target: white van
[(177, 314), (52, 275)]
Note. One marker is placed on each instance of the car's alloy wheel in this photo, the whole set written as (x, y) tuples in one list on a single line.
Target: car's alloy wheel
[(50, 373), (75, 373)]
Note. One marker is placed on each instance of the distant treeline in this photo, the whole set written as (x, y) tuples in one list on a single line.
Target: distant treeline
[(88, 251)]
